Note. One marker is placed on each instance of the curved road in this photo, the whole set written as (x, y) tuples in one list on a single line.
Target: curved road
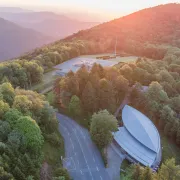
[(83, 159)]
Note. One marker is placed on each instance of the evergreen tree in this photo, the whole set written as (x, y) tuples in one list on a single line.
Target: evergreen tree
[(5, 175), (28, 165), (146, 174), (18, 174), (106, 96), (89, 99), (136, 172), (75, 106)]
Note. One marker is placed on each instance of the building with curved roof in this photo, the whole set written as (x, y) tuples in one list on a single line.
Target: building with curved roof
[(139, 138)]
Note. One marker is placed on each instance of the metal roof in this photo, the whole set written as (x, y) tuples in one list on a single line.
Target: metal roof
[(134, 148), (141, 127), (139, 137)]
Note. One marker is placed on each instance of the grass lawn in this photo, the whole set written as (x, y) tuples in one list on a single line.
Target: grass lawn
[(125, 164), (117, 59), (48, 79), (52, 154)]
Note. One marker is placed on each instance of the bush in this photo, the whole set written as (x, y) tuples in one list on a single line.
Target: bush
[(2, 147), (53, 139), (104, 157), (61, 172)]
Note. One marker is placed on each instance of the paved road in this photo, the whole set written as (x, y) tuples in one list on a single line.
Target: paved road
[(83, 159)]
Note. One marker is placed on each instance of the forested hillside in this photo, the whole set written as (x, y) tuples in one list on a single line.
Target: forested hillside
[(151, 33)]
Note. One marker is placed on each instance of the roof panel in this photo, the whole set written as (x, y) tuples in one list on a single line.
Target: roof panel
[(134, 148), (141, 128)]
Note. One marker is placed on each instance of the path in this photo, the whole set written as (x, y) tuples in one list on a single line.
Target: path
[(125, 101)]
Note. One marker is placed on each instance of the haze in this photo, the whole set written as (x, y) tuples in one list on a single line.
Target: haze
[(105, 8)]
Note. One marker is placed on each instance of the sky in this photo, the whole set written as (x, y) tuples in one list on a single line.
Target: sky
[(107, 8)]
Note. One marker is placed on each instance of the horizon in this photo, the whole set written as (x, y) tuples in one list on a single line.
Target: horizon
[(106, 11)]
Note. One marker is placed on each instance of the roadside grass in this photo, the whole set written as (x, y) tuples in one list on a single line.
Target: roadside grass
[(50, 97), (52, 154), (48, 79), (124, 166), (82, 120)]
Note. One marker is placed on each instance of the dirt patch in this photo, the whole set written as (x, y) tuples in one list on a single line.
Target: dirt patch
[(45, 172)]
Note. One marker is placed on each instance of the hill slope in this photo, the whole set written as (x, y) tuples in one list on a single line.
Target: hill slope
[(137, 31), (15, 40), (48, 23), (150, 32)]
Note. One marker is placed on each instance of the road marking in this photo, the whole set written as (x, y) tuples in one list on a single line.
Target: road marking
[(71, 142), (100, 177), (94, 159), (81, 172), (84, 156), (97, 168)]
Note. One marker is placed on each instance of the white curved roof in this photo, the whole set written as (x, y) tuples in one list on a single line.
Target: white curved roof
[(134, 148), (141, 128)]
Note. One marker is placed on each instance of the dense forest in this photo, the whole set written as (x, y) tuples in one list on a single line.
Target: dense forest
[(27, 121), (105, 88), (21, 73)]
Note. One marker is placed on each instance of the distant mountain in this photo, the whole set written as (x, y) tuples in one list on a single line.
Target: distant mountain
[(48, 23), (13, 9), (15, 40)]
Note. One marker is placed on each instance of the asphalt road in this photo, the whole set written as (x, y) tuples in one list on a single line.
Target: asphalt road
[(82, 158)]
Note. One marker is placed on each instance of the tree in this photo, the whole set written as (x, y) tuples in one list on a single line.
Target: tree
[(156, 93), (4, 130), (8, 93), (169, 170), (146, 174), (61, 172), (166, 115), (106, 96), (16, 140), (12, 116), (18, 174), (75, 106), (29, 166), (89, 99), (136, 172), (4, 107), (83, 77), (22, 104), (31, 131), (175, 103), (5, 175), (102, 126)]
